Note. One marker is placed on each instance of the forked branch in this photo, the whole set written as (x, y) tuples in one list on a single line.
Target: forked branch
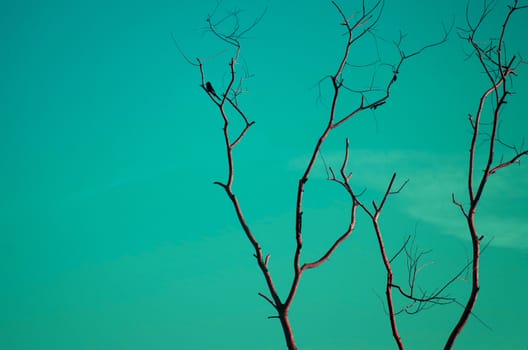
[(227, 102), (499, 68)]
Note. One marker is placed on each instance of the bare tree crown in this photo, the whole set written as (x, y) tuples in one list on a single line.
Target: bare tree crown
[(500, 69)]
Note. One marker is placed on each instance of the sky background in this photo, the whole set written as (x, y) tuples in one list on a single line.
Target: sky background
[(113, 236)]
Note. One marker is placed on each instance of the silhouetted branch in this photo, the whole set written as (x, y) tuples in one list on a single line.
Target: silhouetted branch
[(498, 68), (230, 30), (401, 249)]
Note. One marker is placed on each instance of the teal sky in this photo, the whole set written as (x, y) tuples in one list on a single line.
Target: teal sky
[(113, 236)]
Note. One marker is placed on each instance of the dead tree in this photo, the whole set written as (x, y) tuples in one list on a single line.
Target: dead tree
[(500, 69), (226, 99)]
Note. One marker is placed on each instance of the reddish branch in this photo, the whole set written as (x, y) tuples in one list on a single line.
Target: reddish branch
[(344, 181), (366, 21), (374, 216), (498, 68), (425, 299), (417, 303)]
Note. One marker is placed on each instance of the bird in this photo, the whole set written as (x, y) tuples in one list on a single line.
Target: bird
[(210, 89)]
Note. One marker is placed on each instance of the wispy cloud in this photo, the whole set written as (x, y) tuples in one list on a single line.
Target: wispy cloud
[(433, 178)]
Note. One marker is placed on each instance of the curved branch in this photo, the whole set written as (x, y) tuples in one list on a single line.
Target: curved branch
[(490, 56)]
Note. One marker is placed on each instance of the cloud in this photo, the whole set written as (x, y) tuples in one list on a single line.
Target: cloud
[(433, 178)]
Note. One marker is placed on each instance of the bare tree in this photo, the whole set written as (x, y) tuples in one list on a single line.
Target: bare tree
[(499, 69)]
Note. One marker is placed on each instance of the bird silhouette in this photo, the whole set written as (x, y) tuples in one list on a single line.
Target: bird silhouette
[(210, 89)]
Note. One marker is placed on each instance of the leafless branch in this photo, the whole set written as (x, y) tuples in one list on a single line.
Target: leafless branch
[(268, 299), (401, 249), (388, 85), (230, 30), (345, 182), (222, 101), (363, 24), (499, 68)]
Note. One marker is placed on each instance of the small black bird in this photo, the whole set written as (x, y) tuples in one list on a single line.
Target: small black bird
[(210, 89)]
